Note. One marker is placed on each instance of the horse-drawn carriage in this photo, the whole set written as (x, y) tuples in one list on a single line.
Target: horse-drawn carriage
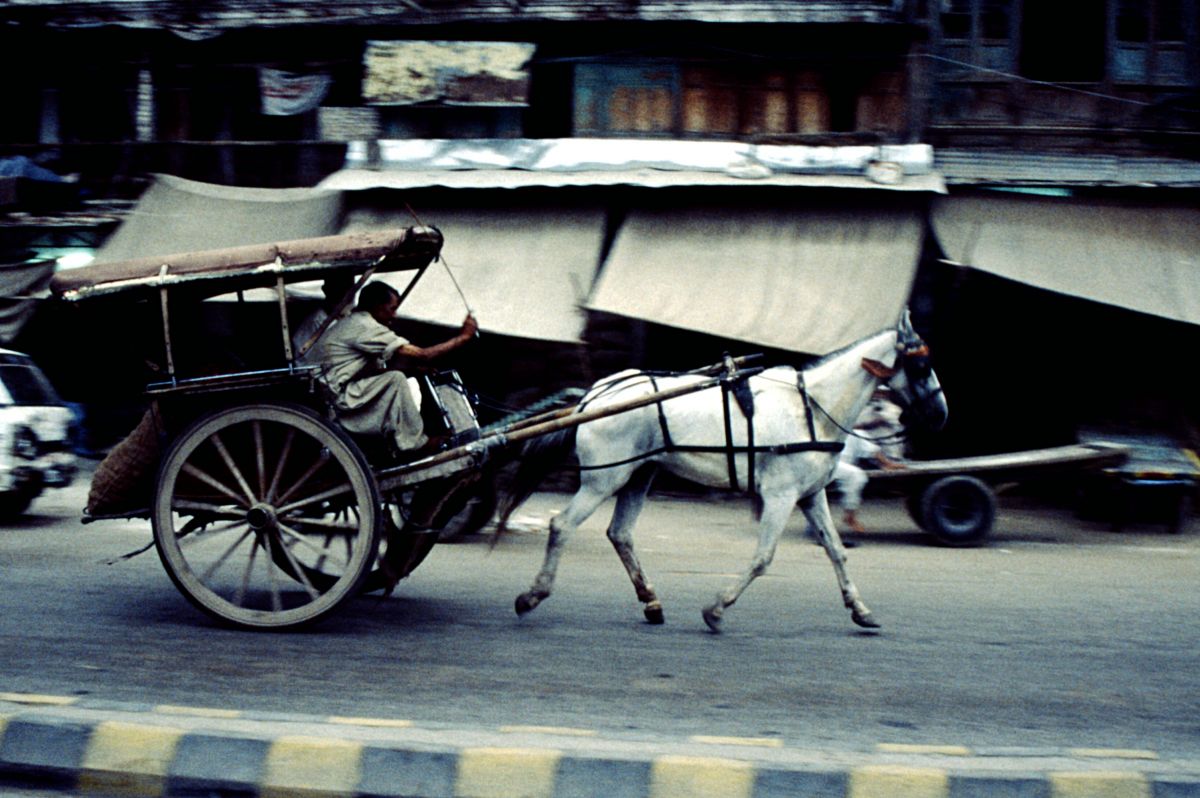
[(267, 514)]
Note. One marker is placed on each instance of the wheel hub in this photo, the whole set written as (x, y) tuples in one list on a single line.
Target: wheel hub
[(260, 517)]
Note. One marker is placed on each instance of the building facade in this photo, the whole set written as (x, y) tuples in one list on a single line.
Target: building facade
[(1096, 102)]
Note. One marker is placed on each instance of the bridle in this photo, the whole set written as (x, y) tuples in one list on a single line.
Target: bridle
[(917, 366)]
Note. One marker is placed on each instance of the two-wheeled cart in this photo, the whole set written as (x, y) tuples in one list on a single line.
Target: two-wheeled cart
[(954, 500), (265, 512)]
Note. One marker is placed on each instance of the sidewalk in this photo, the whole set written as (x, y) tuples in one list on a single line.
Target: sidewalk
[(98, 748)]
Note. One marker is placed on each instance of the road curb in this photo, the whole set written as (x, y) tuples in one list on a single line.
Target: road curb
[(100, 748)]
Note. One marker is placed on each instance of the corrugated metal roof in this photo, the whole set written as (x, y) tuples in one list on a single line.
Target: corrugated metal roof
[(195, 18), (1000, 167), (650, 163)]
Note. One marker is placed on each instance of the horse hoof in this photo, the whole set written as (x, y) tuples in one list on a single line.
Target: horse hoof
[(865, 619), (654, 613), (712, 617), (525, 603)]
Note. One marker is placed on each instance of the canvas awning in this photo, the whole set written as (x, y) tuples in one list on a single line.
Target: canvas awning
[(18, 283), (810, 276), (1144, 257), (524, 270), (176, 215)]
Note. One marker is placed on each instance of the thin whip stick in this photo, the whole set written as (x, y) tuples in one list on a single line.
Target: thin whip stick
[(442, 258)]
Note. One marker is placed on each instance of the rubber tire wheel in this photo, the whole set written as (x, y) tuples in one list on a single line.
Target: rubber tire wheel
[(958, 511)]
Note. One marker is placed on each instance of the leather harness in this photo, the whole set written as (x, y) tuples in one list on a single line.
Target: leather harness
[(735, 383)]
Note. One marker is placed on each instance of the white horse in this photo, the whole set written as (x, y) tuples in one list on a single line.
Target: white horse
[(784, 453)]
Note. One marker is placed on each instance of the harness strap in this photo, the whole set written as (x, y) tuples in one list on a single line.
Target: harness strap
[(808, 413), (662, 414), (829, 447), (730, 463)]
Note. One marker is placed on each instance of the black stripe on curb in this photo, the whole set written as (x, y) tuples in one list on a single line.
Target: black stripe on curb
[(62, 753)]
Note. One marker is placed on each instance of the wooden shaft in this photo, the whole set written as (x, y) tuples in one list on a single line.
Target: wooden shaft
[(510, 436)]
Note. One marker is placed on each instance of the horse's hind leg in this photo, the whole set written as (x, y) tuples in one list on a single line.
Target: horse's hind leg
[(630, 500), (816, 510), (581, 506), (775, 512)]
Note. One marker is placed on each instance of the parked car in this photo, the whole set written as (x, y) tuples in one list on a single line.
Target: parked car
[(35, 434)]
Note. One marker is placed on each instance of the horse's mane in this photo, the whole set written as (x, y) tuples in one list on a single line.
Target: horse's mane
[(821, 361)]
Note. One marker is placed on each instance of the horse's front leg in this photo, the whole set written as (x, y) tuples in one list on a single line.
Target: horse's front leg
[(775, 512), (581, 506), (620, 533), (816, 510)]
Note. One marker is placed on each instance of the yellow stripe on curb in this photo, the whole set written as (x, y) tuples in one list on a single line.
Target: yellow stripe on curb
[(379, 723), (1114, 753), (34, 698), (761, 742), (128, 758), (1099, 784), (887, 781), (905, 748), (564, 731), (700, 777), (308, 765), (199, 712), (506, 773)]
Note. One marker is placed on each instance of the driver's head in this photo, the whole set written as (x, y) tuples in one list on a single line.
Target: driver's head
[(380, 300)]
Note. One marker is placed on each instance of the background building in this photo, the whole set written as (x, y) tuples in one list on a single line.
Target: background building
[(604, 157)]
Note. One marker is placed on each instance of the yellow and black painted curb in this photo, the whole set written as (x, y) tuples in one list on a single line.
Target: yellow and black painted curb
[(51, 742)]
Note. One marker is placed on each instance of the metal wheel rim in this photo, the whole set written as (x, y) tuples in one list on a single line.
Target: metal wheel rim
[(294, 502)]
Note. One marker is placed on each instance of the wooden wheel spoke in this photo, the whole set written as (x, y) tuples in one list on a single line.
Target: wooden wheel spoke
[(233, 468), (340, 490), (305, 477), (284, 452), (260, 457), (300, 570), (273, 579), (333, 526), (212, 569), (239, 596), (213, 482)]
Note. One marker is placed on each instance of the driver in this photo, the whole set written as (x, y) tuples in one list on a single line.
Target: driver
[(362, 359)]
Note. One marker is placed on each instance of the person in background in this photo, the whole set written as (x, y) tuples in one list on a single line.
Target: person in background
[(362, 363), (335, 287), (875, 442)]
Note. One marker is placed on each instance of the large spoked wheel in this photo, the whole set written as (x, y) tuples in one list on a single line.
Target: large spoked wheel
[(265, 516)]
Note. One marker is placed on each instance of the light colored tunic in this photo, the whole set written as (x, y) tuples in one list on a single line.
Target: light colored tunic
[(370, 398)]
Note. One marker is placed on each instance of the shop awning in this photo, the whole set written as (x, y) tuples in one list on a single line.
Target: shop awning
[(1144, 257), (176, 215), (524, 270), (810, 276)]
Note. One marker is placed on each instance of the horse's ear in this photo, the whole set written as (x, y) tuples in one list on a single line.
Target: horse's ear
[(877, 369)]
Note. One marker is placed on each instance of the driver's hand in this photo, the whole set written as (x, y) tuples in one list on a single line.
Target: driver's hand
[(469, 326)]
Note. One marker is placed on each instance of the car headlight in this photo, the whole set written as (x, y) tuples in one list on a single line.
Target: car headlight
[(25, 443)]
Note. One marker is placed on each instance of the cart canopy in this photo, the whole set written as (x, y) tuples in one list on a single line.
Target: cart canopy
[(221, 271)]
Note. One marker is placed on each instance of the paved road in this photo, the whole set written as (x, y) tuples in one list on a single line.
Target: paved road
[(1057, 634)]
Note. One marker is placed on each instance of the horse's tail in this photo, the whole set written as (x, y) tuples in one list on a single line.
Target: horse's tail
[(536, 459)]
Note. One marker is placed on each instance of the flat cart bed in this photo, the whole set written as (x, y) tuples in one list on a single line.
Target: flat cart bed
[(954, 499)]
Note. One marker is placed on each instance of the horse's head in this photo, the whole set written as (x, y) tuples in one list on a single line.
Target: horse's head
[(912, 380)]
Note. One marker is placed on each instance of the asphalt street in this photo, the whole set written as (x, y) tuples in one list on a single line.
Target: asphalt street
[(1059, 637)]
